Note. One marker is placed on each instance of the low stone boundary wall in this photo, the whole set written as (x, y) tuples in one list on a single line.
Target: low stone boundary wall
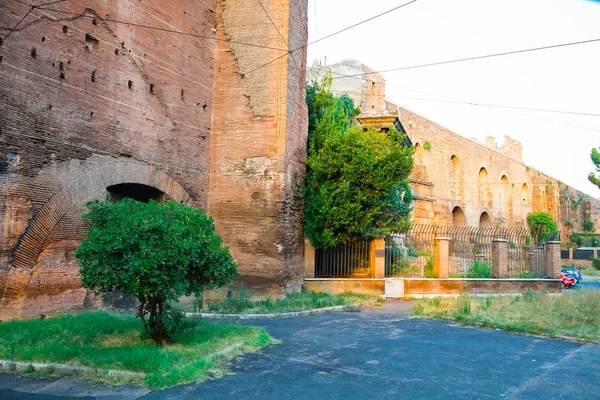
[(418, 287), (340, 285)]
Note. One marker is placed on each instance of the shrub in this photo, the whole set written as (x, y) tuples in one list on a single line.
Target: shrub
[(427, 145), (542, 225), (588, 225), (156, 252), (596, 262), (479, 270)]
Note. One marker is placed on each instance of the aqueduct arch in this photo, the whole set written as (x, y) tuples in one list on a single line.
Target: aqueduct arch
[(90, 185)]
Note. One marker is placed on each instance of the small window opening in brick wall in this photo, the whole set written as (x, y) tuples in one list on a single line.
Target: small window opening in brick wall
[(33, 52), (65, 29), (130, 85), (152, 88), (90, 41), (93, 77), (61, 66), (43, 38), (182, 95)]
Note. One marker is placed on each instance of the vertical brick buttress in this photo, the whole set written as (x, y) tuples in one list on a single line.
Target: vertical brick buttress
[(258, 141)]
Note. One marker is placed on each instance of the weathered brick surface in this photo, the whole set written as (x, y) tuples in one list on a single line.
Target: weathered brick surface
[(258, 142), (86, 104)]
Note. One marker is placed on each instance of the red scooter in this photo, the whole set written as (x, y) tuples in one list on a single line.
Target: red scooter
[(567, 281)]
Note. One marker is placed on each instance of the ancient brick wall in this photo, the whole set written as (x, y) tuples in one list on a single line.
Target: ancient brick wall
[(482, 178), (258, 141), (85, 104)]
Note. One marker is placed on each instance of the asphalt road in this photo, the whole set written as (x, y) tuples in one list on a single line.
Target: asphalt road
[(377, 353)]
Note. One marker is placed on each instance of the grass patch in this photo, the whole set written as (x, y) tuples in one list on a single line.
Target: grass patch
[(305, 300), (574, 313), (112, 341), (590, 272)]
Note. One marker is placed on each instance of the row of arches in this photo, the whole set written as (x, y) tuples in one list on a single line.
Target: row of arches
[(459, 218)]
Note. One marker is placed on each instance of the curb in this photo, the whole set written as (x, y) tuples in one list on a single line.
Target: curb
[(315, 311), (66, 369), (71, 370)]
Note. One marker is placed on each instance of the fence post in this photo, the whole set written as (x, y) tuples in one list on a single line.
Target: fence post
[(377, 258), (553, 260), (595, 253), (309, 259), (441, 257), (499, 258)]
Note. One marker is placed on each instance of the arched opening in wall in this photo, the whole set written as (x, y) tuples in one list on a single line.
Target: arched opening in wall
[(483, 175), (504, 180), (455, 162), (485, 220), (134, 191), (458, 217), (418, 154), (524, 194)]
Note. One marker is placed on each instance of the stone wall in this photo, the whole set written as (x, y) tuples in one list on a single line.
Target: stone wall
[(483, 183), (258, 142), (87, 103)]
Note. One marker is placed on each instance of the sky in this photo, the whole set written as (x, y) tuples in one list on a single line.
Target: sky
[(565, 78)]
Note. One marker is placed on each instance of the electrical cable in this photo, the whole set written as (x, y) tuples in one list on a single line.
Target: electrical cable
[(159, 29), (482, 57), (18, 23), (330, 35)]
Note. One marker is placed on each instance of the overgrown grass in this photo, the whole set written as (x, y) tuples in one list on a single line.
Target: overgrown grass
[(112, 341), (302, 301), (590, 272), (574, 313)]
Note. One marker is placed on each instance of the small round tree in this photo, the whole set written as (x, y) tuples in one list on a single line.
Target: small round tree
[(541, 225), (156, 252)]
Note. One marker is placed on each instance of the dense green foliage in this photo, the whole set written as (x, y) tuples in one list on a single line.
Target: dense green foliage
[(586, 239), (113, 341), (542, 225), (595, 156), (588, 225), (156, 252), (356, 183), (596, 263)]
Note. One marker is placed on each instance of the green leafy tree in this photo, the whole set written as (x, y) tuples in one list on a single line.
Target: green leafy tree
[(156, 252), (356, 184), (595, 155), (541, 225), (588, 225)]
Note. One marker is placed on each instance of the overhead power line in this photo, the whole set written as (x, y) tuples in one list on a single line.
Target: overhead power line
[(18, 23), (355, 25), (291, 52), (356, 76), (506, 53), (159, 29)]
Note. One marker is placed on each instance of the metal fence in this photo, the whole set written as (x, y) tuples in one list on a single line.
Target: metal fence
[(347, 260), (470, 251)]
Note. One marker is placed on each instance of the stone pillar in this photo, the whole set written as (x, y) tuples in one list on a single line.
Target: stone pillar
[(441, 257), (377, 258), (553, 260), (500, 258), (595, 252), (570, 253), (309, 259)]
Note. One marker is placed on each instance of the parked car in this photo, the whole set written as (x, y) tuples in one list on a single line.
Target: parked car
[(567, 281), (574, 271)]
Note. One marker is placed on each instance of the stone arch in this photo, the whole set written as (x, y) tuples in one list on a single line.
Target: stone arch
[(458, 217), (483, 175), (485, 219), (455, 162), (90, 185), (418, 153), (524, 194)]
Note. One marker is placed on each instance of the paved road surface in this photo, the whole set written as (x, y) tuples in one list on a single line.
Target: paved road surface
[(378, 353)]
